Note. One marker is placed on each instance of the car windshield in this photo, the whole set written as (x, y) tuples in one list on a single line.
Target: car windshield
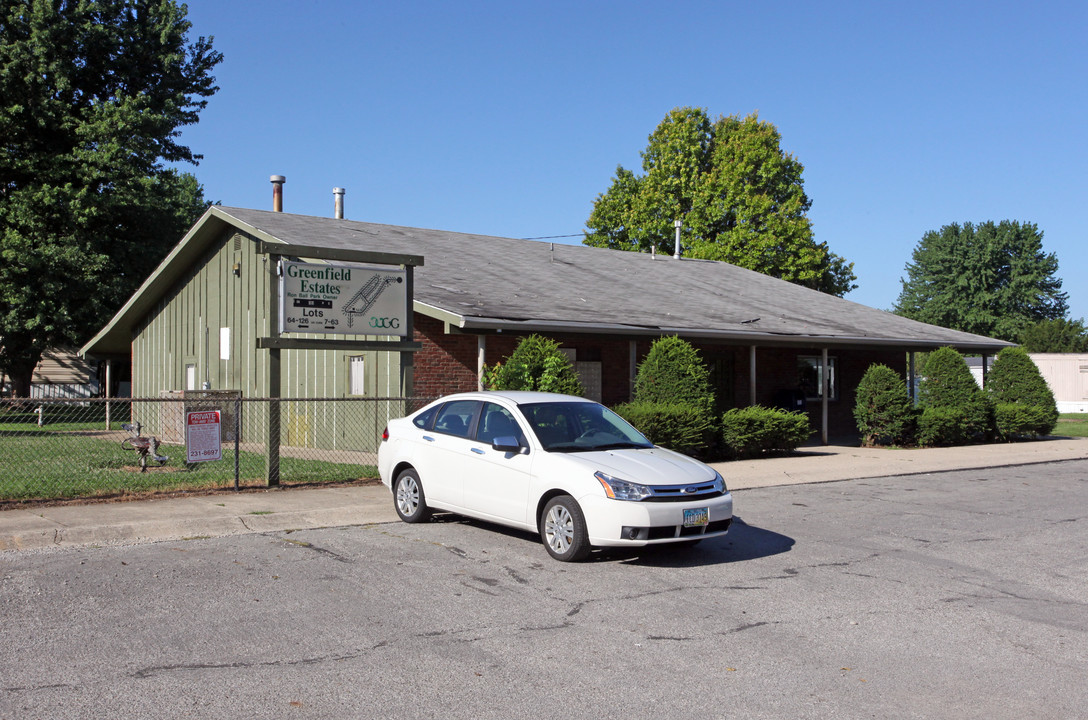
[(580, 427)]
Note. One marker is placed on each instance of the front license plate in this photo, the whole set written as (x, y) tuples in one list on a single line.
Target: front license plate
[(696, 517)]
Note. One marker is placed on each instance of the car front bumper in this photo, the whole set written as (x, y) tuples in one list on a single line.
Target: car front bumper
[(617, 523)]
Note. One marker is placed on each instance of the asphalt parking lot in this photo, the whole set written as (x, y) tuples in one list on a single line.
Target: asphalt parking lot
[(955, 594)]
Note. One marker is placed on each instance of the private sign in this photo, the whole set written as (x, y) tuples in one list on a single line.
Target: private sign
[(202, 436), (343, 299)]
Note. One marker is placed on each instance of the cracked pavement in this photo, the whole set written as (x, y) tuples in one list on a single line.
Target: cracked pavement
[(958, 594)]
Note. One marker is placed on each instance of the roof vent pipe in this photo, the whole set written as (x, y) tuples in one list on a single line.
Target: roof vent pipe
[(338, 194), (277, 192), (678, 224)]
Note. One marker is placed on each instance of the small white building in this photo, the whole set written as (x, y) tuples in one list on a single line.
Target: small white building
[(61, 373), (1067, 376)]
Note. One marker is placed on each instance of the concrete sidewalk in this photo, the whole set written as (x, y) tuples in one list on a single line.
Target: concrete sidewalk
[(229, 513)]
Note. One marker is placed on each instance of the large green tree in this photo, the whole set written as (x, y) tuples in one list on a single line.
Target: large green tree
[(1055, 336), (93, 94), (991, 279), (740, 197)]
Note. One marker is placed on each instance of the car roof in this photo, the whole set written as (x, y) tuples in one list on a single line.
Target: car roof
[(518, 397)]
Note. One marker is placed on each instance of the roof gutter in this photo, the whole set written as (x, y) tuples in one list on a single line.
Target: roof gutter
[(747, 337)]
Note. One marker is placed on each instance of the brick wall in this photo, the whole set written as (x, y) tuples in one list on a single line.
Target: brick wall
[(447, 363)]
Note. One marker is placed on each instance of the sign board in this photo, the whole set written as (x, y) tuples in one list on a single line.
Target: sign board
[(343, 299), (202, 436)]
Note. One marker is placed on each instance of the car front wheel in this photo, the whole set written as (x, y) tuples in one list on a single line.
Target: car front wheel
[(563, 529), (409, 499)]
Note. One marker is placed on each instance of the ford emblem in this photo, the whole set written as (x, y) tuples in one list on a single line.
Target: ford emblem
[(690, 490)]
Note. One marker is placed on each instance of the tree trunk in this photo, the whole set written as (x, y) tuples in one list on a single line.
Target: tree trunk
[(19, 361), (20, 384)]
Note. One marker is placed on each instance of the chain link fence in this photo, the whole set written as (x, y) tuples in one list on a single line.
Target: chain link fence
[(71, 448)]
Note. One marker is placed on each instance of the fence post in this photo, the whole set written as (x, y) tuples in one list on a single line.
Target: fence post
[(237, 434)]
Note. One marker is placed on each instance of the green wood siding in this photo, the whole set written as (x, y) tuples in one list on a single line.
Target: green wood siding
[(184, 328)]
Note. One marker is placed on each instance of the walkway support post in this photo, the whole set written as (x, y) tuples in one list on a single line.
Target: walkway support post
[(825, 377), (751, 374)]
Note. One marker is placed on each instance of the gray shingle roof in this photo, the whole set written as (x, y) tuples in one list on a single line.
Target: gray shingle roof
[(480, 282), (493, 282)]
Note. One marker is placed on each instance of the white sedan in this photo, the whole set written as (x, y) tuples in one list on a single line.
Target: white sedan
[(565, 467)]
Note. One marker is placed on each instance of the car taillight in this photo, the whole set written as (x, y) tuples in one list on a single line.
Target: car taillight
[(385, 434)]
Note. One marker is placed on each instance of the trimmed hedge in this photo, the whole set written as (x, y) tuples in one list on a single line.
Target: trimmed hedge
[(1016, 420), (1024, 403), (673, 372), (752, 431), (955, 410), (883, 410), (672, 425), (945, 426)]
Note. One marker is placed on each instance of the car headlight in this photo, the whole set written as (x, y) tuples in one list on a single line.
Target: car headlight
[(621, 489), (719, 482)]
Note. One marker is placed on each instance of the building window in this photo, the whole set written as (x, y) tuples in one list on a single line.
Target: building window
[(356, 377), (810, 378)]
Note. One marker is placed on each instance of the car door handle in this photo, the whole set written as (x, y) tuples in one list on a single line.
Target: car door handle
[(478, 451), (428, 438)]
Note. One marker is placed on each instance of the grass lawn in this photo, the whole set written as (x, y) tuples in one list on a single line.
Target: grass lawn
[(37, 464), (1074, 424)]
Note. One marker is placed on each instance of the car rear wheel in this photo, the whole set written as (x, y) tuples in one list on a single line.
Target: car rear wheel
[(409, 499), (563, 529)]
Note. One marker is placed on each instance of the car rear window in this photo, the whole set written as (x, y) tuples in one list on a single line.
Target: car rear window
[(423, 420)]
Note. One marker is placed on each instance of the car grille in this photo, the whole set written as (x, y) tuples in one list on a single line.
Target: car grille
[(683, 493), (670, 531)]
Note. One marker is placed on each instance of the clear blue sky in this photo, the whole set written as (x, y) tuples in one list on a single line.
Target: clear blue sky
[(508, 118)]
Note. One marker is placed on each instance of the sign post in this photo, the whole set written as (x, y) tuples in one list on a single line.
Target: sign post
[(203, 436), (353, 302)]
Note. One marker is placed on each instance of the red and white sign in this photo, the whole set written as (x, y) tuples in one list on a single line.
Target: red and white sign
[(202, 436)]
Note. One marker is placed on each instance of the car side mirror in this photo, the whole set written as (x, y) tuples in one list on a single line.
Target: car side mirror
[(507, 443)]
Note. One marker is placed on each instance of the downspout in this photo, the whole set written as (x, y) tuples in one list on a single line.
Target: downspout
[(481, 355)]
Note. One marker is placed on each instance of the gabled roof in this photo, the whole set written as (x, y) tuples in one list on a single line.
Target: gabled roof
[(480, 283)]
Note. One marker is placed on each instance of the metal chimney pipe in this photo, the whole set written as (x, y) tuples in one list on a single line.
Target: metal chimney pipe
[(678, 224), (277, 192), (339, 196)]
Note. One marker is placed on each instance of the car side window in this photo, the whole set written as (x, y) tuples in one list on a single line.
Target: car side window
[(457, 418), (496, 421), (423, 420)]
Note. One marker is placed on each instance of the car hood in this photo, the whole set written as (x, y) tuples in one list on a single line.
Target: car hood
[(647, 466)]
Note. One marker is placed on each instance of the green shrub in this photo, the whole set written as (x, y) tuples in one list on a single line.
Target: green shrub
[(947, 385), (673, 372), (675, 426), (944, 426), (535, 364), (753, 431), (1017, 420), (1024, 403), (883, 410)]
